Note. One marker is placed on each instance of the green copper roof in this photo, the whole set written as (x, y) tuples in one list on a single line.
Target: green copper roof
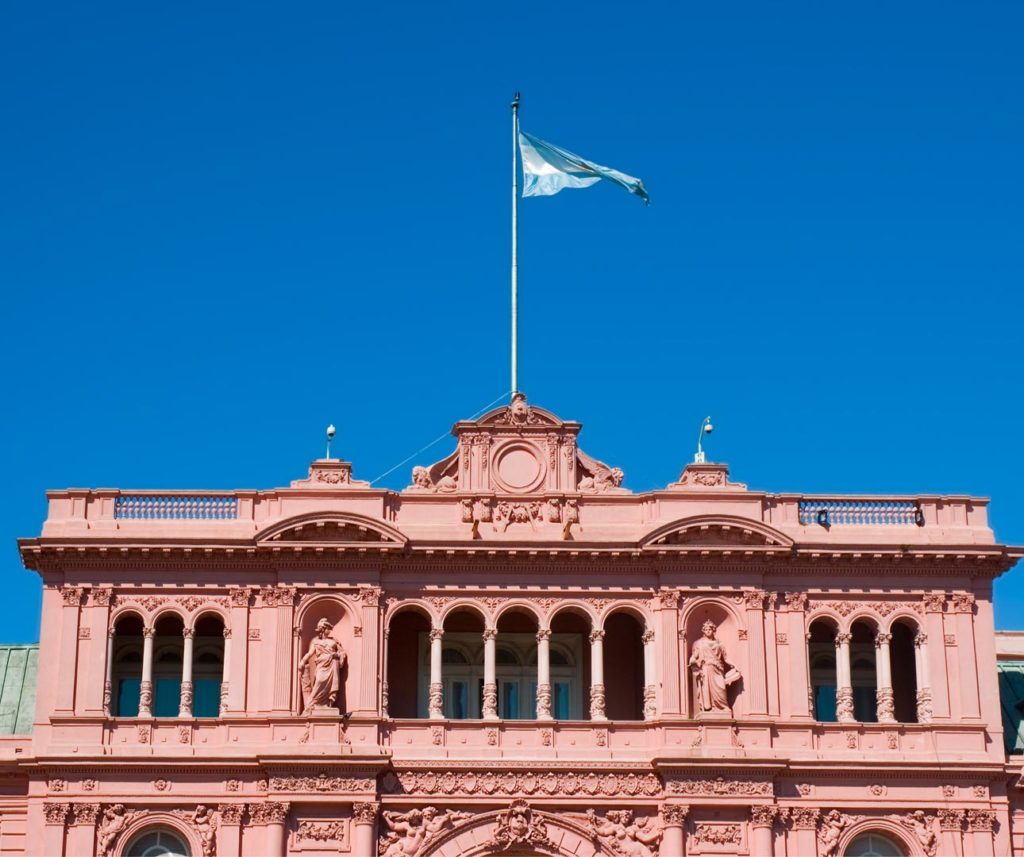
[(1011, 699), (18, 688)]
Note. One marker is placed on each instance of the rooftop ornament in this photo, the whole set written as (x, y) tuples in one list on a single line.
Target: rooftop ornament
[(705, 428)]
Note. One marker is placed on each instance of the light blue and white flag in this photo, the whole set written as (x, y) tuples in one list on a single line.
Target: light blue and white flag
[(547, 169)]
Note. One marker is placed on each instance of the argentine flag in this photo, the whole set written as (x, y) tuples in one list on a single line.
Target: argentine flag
[(547, 169)]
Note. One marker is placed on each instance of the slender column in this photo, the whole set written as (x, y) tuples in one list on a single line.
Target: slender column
[(673, 841), (276, 816), (963, 609), (64, 700), (544, 674), (763, 823), (924, 685), (229, 831), (370, 665), (146, 686), (844, 691), (55, 816), (225, 683), (436, 704), (185, 704), (980, 825), (883, 676), (755, 687), (384, 701), (364, 822), (108, 681), (597, 676), (650, 681), (490, 711)]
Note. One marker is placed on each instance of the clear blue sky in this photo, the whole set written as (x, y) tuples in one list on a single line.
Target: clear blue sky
[(224, 225)]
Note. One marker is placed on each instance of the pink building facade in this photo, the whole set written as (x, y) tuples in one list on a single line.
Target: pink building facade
[(515, 654)]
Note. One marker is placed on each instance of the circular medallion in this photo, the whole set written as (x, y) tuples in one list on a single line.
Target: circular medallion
[(518, 468)]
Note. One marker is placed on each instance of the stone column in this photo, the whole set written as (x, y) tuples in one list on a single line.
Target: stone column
[(544, 674), (369, 668), (844, 689), (364, 822), (64, 701), (95, 628), (963, 610), (235, 678), (82, 835), (55, 816), (225, 682), (951, 826), (386, 661), (883, 679), (650, 679), (805, 831), (597, 676), (229, 830), (924, 685), (673, 840), (756, 683), (276, 817), (436, 704), (185, 704), (146, 686), (108, 681), (762, 840), (490, 711), (980, 824)]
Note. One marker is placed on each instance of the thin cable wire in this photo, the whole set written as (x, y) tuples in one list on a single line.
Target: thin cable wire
[(438, 439)]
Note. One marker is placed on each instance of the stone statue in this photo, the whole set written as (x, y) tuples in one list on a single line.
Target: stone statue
[(410, 831), (115, 819), (832, 827), (205, 823), (421, 480), (923, 828), (712, 672), (320, 669), (619, 833)]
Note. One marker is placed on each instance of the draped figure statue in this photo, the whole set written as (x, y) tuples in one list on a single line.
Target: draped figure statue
[(320, 669), (712, 672)]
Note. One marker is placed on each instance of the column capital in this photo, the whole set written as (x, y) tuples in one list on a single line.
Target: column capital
[(675, 814), (543, 635), (882, 639), (365, 812), (436, 634), (188, 633), (647, 636), (490, 634), (920, 639), (149, 632), (56, 813), (843, 639), (597, 636)]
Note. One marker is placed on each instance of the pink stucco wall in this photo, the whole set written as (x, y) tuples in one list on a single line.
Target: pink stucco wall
[(516, 527)]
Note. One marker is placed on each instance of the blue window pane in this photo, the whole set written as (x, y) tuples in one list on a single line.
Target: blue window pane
[(825, 703), (510, 700), (864, 705), (128, 697), (561, 700), (206, 702), (167, 693), (459, 701)]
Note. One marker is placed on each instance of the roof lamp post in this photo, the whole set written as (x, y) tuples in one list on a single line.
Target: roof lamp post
[(705, 428), (330, 436)]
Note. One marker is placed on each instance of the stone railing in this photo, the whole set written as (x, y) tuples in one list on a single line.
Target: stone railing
[(864, 512), (176, 507)]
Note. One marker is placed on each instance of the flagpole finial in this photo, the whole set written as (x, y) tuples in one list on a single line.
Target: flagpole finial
[(515, 101)]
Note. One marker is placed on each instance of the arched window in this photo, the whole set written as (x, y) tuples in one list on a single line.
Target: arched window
[(863, 674), (624, 667), (126, 666), (405, 632), (903, 657), (873, 845), (157, 843), (207, 665), (821, 656), (168, 650)]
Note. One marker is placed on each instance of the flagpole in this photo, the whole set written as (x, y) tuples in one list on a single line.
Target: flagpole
[(515, 246)]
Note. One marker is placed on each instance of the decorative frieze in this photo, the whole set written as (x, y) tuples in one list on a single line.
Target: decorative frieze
[(320, 831), (721, 787), (716, 833), (410, 832), (551, 783), (323, 783)]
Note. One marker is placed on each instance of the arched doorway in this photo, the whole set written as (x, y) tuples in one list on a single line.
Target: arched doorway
[(821, 659), (624, 667), (408, 633), (126, 666), (864, 672)]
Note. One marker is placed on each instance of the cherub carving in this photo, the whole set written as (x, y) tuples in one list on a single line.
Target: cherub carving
[(832, 827), (620, 833), (411, 830), (923, 827), (115, 819)]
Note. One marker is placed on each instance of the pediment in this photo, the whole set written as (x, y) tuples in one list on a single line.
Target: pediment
[(330, 528), (717, 531), (517, 451)]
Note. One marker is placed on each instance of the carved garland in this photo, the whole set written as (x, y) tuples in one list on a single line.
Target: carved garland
[(561, 783)]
